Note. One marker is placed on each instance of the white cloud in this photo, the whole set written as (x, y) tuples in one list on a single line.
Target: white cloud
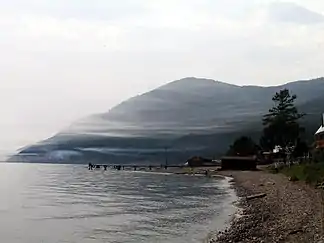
[(62, 60), (294, 13)]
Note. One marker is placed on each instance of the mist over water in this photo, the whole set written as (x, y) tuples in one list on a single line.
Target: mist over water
[(68, 203)]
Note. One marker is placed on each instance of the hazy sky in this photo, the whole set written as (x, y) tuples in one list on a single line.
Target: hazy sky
[(64, 59)]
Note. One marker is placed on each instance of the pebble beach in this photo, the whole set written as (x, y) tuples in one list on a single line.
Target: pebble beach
[(289, 212)]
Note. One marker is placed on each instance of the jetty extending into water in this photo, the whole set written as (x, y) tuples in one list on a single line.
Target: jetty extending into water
[(134, 167)]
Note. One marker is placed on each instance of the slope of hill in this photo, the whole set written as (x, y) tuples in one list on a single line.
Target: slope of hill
[(183, 118)]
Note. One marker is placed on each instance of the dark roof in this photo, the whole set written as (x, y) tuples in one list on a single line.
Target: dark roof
[(239, 158), (197, 158)]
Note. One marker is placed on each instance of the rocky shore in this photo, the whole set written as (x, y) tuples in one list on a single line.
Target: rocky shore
[(290, 211)]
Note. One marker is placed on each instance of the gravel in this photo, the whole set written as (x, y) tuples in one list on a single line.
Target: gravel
[(290, 212)]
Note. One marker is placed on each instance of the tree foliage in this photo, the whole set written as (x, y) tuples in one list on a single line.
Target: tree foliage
[(243, 146), (301, 149), (281, 125)]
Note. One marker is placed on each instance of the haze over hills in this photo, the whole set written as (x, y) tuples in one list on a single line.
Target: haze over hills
[(186, 117)]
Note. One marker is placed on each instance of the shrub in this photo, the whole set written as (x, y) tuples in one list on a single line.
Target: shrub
[(318, 156), (312, 173)]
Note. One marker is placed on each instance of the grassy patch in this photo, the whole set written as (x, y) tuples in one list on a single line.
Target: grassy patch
[(312, 173)]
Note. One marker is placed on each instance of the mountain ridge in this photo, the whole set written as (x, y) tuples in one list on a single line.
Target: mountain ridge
[(206, 114)]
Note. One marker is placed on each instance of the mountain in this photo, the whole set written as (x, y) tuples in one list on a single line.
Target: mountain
[(186, 117)]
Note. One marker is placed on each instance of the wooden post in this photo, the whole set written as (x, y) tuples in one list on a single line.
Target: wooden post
[(166, 156), (322, 212)]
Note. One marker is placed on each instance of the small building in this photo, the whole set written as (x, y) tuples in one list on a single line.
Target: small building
[(239, 163), (197, 161), (268, 157), (319, 136)]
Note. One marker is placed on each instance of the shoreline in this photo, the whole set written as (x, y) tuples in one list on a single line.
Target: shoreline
[(290, 211)]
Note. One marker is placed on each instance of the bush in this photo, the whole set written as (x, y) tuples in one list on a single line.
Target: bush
[(318, 156), (310, 173), (276, 169)]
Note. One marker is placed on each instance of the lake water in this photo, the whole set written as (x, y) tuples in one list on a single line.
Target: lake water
[(68, 203)]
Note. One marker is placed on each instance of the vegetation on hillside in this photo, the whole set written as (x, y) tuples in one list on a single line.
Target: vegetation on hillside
[(281, 126), (282, 130), (312, 173)]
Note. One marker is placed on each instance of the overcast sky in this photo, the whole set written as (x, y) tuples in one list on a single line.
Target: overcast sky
[(64, 59)]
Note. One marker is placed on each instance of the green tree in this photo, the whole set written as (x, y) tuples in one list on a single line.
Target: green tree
[(281, 126), (243, 146)]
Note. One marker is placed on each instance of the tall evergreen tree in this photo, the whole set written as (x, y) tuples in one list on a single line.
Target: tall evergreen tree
[(281, 127)]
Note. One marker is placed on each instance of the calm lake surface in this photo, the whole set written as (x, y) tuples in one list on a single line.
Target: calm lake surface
[(68, 203)]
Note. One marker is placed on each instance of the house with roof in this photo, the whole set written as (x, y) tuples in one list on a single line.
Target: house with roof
[(197, 161), (319, 136)]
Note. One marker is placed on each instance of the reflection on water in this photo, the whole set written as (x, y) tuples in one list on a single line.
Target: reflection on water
[(68, 203)]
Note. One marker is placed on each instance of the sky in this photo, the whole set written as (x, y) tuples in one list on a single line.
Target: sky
[(65, 59)]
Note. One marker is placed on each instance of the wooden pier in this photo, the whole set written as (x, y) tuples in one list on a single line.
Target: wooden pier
[(135, 167)]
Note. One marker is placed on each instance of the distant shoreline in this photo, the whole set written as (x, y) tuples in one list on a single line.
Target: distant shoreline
[(290, 211)]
